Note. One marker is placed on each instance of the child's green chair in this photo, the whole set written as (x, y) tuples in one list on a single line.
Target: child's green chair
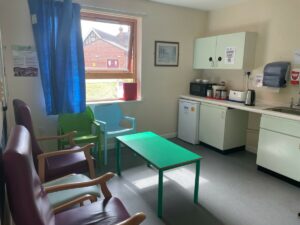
[(88, 130)]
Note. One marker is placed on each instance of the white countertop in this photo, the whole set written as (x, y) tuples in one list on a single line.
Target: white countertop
[(258, 108)]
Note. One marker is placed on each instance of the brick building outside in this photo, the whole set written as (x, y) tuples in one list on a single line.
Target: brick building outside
[(103, 51)]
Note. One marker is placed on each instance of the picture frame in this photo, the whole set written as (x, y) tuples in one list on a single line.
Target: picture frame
[(166, 53)]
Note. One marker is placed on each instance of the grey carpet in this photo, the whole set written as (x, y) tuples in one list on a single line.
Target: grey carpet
[(232, 191)]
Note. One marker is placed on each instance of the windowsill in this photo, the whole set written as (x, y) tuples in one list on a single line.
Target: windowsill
[(113, 101)]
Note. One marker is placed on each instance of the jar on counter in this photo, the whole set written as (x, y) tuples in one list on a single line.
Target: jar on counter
[(223, 94), (209, 93), (217, 94)]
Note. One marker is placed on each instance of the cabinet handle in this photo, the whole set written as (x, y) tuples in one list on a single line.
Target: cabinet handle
[(220, 59), (211, 62)]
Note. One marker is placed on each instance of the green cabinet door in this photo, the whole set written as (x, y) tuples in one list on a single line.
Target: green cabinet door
[(279, 153), (212, 125), (230, 51), (205, 49)]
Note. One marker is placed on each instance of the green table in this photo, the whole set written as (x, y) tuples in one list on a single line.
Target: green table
[(160, 153)]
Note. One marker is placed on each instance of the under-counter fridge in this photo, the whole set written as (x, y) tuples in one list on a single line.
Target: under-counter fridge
[(188, 121)]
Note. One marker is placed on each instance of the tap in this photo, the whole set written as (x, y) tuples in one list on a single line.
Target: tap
[(292, 102), (298, 104), (292, 105)]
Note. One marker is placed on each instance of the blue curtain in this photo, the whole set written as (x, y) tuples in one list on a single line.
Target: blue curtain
[(57, 33)]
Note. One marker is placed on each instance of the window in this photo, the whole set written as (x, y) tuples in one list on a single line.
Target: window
[(110, 52)]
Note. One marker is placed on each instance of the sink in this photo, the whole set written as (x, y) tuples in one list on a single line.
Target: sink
[(287, 110)]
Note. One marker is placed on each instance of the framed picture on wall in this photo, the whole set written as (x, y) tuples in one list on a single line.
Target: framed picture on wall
[(166, 53)]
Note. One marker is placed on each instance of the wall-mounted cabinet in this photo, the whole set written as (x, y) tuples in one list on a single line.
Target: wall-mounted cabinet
[(229, 51)]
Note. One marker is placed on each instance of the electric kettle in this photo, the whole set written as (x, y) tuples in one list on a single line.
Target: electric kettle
[(250, 98)]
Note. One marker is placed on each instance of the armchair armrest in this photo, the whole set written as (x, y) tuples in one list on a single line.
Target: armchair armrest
[(69, 136), (76, 201), (86, 149), (102, 125), (136, 219), (97, 181), (131, 120)]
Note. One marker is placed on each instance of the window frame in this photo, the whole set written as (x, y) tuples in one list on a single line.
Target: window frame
[(132, 54)]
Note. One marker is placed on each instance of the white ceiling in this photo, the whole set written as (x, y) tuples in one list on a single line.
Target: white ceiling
[(201, 4)]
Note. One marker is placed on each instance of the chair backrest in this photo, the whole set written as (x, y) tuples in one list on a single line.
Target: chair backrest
[(81, 122), (23, 117), (110, 113), (28, 202)]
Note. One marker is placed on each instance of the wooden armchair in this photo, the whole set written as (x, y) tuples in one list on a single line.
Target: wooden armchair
[(28, 199), (55, 164)]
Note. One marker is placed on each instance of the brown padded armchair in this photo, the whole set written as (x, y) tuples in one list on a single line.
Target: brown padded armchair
[(28, 199), (56, 164)]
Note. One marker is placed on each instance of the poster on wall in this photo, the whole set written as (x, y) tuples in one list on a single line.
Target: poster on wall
[(230, 55), (25, 61)]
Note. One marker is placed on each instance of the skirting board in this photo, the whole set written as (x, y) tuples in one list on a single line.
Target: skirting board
[(112, 146), (251, 149)]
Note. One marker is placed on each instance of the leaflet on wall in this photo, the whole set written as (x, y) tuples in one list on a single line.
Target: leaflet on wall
[(297, 56), (25, 61), (230, 55), (258, 81)]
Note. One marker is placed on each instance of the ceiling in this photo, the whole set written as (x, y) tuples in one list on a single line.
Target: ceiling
[(207, 5)]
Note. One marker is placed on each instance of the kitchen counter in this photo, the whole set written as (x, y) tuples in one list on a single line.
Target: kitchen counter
[(258, 108)]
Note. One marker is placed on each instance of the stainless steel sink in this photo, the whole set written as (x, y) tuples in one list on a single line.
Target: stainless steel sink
[(293, 111)]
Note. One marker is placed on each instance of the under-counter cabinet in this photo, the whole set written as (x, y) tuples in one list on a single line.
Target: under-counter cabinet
[(229, 51), (279, 146), (221, 127)]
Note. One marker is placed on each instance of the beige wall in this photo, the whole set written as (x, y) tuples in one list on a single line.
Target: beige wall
[(160, 86), (277, 23)]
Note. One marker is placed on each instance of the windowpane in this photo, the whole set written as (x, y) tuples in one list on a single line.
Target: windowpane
[(106, 46), (104, 89), (110, 52)]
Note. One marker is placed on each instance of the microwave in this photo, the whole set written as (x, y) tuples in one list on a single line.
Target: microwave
[(199, 89)]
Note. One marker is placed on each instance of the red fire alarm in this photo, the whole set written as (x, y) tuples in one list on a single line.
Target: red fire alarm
[(295, 75)]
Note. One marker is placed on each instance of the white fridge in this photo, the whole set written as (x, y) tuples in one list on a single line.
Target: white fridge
[(188, 121)]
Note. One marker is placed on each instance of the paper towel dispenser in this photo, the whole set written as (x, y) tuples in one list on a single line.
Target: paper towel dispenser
[(275, 74)]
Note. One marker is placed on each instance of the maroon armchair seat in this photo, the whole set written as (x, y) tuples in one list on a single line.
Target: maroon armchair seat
[(51, 166), (28, 199)]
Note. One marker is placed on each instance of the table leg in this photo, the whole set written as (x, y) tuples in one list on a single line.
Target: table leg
[(197, 182), (160, 193), (118, 157)]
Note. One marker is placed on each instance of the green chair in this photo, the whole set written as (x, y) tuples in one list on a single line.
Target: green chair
[(87, 129)]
